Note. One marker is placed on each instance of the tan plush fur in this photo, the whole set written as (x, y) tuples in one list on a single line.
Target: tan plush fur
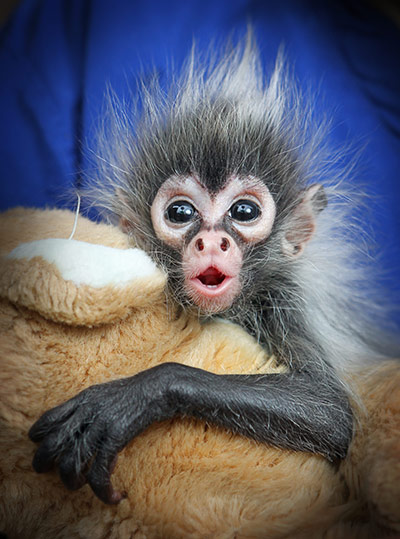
[(182, 478)]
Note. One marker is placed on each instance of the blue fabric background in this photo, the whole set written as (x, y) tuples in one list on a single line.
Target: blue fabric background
[(57, 56)]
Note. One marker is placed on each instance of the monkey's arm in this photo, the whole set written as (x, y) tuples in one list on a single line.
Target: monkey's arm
[(292, 410)]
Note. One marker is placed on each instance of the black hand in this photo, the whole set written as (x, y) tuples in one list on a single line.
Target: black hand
[(84, 435)]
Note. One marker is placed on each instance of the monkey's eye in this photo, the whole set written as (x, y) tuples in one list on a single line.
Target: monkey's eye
[(244, 210), (180, 212)]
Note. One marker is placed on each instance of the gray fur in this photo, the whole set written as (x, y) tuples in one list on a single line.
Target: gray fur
[(220, 117)]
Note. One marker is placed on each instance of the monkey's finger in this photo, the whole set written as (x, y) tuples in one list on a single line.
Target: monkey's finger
[(99, 477), (45, 457), (73, 470), (50, 420), (73, 464)]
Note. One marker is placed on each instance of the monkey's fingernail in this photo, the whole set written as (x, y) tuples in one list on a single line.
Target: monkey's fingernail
[(116, 496)]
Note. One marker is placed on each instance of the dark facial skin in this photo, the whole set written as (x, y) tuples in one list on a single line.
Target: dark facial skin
[(304, 410)]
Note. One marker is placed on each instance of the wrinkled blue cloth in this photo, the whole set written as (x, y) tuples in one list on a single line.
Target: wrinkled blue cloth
[(58, 56)]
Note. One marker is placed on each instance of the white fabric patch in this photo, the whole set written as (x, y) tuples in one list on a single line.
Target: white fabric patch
[(87, 263)]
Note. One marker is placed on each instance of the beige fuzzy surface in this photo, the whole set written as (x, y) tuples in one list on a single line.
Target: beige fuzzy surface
[(183, 478)]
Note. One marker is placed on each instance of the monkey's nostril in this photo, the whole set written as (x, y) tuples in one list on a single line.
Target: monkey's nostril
[(200, 245), (224, 244)]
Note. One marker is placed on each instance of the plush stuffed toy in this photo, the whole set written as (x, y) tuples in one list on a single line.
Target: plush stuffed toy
[(78, 312)]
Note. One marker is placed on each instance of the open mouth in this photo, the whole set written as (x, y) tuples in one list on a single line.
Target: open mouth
[(211, 277), (212, 290)]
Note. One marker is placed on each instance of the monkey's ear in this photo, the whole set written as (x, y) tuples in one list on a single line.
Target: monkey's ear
[(302, 222), (125, 223)]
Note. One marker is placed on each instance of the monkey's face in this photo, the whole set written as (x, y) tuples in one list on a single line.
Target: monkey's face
[(211, 231)]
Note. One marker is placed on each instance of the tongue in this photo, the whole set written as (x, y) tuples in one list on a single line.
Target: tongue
[(211, 277)]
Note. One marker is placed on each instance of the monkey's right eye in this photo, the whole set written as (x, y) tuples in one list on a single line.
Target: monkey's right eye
[(244, 210), (180, 212)]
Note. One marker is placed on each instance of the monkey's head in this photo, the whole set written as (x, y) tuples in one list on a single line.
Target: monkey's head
[(212, 184)]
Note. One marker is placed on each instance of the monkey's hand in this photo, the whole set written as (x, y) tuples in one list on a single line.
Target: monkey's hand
[(84, 435)]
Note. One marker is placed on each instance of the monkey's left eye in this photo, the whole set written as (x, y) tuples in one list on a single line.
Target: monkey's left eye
[(180, 212), (244, 210)]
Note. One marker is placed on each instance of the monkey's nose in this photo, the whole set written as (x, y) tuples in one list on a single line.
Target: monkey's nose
[(199, 245), (224, 244)]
